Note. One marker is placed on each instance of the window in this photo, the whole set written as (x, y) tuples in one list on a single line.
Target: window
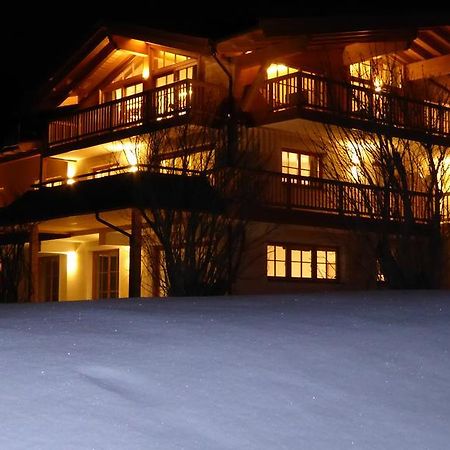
[(165, 59), (326, 264), (380, 72), (301, 262), (303, 164), (276, 261)]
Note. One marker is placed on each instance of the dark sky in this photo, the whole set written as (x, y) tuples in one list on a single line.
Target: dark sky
[(37, 39)]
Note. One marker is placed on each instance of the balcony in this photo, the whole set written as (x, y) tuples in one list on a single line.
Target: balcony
[(263, 195), (329, 202), (162, 106), (317, 98)]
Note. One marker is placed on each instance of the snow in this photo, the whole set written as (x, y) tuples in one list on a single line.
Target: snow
[(314, 371)]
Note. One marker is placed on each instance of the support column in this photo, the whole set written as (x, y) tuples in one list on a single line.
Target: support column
[(33, 288), (134, 280)]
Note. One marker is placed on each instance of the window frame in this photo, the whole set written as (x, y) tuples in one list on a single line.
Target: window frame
[(318, 165), (289, 247)]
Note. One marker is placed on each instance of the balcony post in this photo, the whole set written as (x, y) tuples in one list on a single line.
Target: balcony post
[(134, 278)]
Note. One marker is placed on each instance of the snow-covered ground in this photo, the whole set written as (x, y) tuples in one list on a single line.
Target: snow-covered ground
[(328, 372)]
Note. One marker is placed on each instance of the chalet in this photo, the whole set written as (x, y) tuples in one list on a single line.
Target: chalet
[(350, 125)]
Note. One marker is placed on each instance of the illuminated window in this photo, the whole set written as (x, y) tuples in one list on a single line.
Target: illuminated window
[(276, 261), (199, 161), (303, 164), (380, 72), (307, 263), (301, 263), (165, 59), (326, 264), (279, 70)]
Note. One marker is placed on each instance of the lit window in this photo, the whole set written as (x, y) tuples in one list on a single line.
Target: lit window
[(301, 264), (276, 261), (294, 163), (291, 262), (164, 59), (279, 70), (326, 264)]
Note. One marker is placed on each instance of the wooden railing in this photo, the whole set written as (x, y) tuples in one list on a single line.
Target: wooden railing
[(342, 198), (314, 92), (293, 192), (162, 103)]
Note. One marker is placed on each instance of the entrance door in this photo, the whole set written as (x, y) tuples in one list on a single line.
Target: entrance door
[(106, 274), (49, 278)]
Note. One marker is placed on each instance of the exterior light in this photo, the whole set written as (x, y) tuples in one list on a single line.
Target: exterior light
[(133, 168), (146, 69), (71, 170), (378, 84), (72, 263)]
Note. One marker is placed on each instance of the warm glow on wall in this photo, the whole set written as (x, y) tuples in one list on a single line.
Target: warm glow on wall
[(72, 262), (131, 155), (146, 69), (71, 171)]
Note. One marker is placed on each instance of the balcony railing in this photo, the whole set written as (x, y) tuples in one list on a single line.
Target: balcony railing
[(335, 197), (155, 105), (315, 93), (293, 192)]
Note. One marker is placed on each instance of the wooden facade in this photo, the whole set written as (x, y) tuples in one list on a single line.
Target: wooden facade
[(278, 85)]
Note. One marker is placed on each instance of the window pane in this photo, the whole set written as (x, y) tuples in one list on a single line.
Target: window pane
[(321, 270), (306, 270), (270, 252), (306, 255), (270, 268), (331, 257), (331, 271), (305, 164), (296, 255), (280, 253), (321, 256), (280, 269), (295, 270)]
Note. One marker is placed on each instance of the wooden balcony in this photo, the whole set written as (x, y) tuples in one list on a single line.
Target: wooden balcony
[(318, 98), (279, 197), (158, 107), (328, 202)]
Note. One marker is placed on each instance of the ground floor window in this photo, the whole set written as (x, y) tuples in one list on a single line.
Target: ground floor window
[(290, 261), (106, 274)]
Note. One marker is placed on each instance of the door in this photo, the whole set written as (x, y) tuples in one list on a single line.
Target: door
[(106, 274), (49, 278)]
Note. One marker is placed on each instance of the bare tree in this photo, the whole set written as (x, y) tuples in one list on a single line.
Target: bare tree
[(399, 167), (195, 247), (13, 266)]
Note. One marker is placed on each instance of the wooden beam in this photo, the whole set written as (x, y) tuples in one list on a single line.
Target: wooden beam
[(429, 68), (273, 52), (130, 45), (354, 53)]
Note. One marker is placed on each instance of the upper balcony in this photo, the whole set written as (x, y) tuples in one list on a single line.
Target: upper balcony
[(160, 107), (321, 99)]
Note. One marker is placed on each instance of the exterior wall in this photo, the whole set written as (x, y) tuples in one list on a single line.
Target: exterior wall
[(356, 265), (16, 177), (76, 265)]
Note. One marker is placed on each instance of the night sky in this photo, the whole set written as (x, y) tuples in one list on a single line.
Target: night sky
[(38, 39)]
